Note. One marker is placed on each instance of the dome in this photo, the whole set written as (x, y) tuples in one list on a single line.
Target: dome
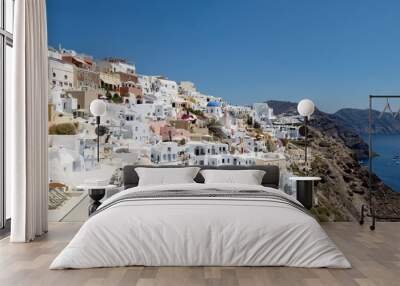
[(213, 104)]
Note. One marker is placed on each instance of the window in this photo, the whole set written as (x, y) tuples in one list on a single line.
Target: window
[(54, 74), (6, 62), (65, 77), (8, 16)]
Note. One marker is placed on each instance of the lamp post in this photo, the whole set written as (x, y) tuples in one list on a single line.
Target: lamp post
[(305, 108), (98, 108)]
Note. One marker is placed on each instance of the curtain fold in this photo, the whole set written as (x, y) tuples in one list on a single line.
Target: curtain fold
[(27, 143)]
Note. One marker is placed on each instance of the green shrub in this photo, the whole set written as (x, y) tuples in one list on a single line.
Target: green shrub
[(195, 111), (62, 129), (116, 98)]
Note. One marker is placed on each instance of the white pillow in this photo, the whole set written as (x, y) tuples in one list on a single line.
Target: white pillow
[(248, 177), (166, 176)]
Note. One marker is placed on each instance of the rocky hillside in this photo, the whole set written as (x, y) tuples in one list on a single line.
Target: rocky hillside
[(357, 119), (344, 185), (329, 125)]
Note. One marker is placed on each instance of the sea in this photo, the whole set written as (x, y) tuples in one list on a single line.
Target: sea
[(387, 164)]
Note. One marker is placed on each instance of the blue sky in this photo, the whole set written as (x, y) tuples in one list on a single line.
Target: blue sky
[(333, 52)]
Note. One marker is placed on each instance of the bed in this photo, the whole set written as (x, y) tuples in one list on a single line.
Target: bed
[(201, 224)]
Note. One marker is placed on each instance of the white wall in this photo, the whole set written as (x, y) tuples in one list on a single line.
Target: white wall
[(61, 74)]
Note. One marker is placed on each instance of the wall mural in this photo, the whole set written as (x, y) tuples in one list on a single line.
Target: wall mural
[(154, 120)]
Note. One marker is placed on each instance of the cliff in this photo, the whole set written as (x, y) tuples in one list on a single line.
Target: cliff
[(357, 119), (344, 185), (329, 125)]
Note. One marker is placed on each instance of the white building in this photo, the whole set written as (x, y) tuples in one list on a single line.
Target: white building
[(222, 160), (240, 160), (88, 150), (214, 109), (63, 102), (286, 132), (263, 114), (165, 153), (136, 130), (159, 111), (239, 111), (249, 144), (64, 155), (148, 84), (238, 136), (126, 155), (206, 153), (187, 87), (167, 88), (64, 160), (115, 66), (144, 110), (259, 146), (206, 148), (123, 67), (61, 75)]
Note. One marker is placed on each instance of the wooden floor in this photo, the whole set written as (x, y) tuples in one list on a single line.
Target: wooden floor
[(375, 257)]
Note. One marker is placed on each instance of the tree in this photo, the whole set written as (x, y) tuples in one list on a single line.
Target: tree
[(215, 128), (249, 120)]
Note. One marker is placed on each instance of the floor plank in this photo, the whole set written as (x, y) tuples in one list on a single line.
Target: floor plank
[(375, 257)]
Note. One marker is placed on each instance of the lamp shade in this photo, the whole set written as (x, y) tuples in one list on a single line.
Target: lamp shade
[(305, 107), (98, 107)]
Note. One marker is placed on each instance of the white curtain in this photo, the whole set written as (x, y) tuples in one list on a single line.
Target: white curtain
[(26, 142)]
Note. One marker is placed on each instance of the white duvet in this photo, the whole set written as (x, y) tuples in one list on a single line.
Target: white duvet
[(200, 231)]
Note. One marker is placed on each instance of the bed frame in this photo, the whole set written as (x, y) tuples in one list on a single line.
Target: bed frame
[(271, 177)]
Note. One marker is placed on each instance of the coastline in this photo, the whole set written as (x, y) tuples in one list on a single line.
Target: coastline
[(386, 164)]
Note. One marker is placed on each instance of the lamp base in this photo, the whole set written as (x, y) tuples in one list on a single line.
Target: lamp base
[(304, 193), (96, 195)]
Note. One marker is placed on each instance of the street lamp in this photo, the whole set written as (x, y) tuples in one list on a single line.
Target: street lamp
[(305, 108), (98, 108)]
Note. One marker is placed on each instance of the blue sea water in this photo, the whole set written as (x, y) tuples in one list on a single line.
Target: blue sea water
[(387, 165)]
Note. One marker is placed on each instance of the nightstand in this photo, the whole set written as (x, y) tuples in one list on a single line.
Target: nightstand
[(305, 190), (96, 193)]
